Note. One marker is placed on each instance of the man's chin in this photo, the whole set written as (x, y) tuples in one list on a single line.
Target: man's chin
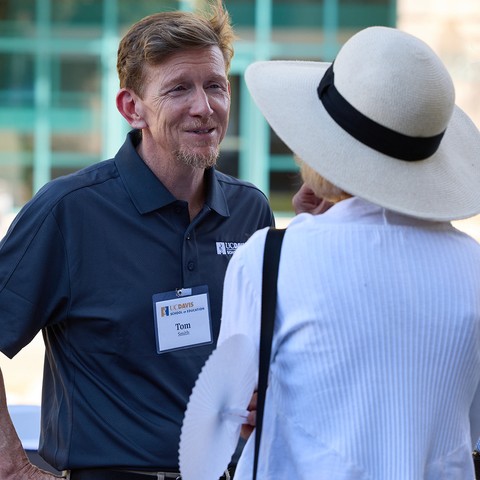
[(197, 159)]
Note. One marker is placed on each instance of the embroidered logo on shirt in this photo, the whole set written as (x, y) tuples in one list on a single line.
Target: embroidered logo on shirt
[(227, 248)]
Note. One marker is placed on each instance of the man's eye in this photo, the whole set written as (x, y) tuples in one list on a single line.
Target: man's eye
[(217, 86)]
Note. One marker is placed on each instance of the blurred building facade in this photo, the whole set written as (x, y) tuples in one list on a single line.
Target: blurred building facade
[(58, 81)]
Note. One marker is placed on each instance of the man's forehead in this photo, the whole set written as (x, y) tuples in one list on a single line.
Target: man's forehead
[(192, 62)]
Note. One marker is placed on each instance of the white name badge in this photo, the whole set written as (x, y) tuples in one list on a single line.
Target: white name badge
[(182, 318)]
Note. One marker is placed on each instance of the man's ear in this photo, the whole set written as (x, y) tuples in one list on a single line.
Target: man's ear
[(129, 105)]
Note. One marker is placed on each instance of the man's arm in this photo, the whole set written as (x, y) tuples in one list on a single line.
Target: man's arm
[(14, 463)]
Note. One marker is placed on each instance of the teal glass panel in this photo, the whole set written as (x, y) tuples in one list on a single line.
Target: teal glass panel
[(242, 12), (77, 12), (76, 19), (229, 156), (76, 112), (16, 82), (76, 81), (310, 13), (360, 14), (17, 18), (132, 11)]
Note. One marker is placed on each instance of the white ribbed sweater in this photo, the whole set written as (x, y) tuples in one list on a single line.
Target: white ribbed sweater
[(376, 352)]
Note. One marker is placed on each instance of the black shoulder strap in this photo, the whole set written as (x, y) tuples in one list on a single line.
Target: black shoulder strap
[(271, 257)]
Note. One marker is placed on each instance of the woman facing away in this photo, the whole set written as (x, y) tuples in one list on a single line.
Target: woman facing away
[(375, 366)]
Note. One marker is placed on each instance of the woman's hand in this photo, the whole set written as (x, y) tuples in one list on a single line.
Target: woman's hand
[(247, 428), (305, 201)]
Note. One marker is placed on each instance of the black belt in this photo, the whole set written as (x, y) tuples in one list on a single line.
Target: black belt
[(109, 474)]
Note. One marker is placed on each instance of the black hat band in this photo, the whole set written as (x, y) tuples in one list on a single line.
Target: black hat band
[(369, 132)]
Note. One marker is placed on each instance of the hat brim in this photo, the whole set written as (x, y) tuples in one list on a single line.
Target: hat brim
[(443, 187)]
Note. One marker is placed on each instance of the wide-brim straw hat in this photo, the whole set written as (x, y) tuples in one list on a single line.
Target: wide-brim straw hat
[(402, 87)]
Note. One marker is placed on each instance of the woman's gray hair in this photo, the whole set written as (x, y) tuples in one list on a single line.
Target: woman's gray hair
[(322, 187)]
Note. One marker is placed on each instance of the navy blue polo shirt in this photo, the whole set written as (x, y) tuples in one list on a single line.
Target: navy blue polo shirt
[(81, 262)]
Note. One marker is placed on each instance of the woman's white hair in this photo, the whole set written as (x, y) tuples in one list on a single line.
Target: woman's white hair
[(320, 185)]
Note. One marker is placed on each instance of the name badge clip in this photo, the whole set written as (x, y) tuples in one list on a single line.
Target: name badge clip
[(183, 292)]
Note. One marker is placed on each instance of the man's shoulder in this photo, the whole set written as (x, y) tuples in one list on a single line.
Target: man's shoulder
[(61, 187), (52, 196), (235, 185)]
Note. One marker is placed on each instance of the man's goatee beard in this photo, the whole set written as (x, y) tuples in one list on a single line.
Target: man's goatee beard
[(195, 160)]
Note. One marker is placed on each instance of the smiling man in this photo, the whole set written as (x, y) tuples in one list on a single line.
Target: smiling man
[(182, 111), (120, 267)]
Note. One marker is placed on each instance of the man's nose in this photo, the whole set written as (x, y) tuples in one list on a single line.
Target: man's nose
[(201, 103)]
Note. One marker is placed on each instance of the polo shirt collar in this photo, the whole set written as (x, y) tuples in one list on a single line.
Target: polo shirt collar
[(148, 193), (216, 198)]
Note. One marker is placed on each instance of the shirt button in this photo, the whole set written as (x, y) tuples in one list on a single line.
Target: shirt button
[(178, 209), (191, 266), (188, 236)]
